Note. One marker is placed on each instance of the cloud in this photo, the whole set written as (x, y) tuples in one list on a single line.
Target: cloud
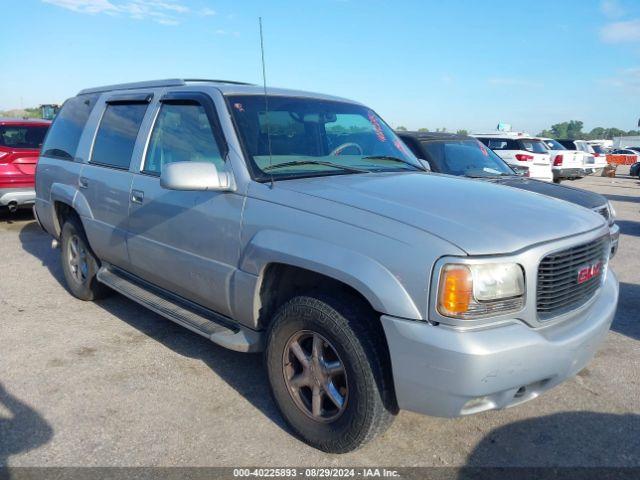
[(447, 79), (225, 33), (612, 8), (619, 32), (163, 12), (85, 6), (207, 12), (513, 82), (627, 80)]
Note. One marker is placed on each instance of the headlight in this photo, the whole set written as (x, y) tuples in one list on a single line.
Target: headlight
[(612, 212), (473, 291)]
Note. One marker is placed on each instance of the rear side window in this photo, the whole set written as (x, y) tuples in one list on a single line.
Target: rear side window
[(64, 134), (568, 144), (22, 136), (182, 133), (117, 134), (533, 146), (495, 144), (500, 143)]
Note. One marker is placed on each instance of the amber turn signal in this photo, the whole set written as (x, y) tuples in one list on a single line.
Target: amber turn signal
[(456, 290)]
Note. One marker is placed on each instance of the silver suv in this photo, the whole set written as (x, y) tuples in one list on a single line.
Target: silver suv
[(299, 225)]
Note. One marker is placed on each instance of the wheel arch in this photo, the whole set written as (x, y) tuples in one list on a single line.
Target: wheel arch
[(64, 200), (270, 253)]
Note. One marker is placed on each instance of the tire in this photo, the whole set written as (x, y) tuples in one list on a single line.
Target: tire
[(349, 333), (557, 180), (79, 269)]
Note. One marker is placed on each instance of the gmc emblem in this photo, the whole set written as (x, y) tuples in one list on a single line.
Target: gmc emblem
[(588, 272)]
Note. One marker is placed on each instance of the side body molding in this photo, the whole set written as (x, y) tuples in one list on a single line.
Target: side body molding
[(375, 282)]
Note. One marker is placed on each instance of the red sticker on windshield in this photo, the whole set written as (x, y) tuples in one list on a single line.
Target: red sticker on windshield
[(376, 126), (483, 148), (398, 144)]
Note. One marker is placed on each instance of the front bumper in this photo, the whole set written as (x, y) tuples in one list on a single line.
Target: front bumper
[(19, 196), (445, 372)]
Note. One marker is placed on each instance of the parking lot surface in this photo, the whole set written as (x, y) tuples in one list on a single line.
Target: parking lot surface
[(113, 384)]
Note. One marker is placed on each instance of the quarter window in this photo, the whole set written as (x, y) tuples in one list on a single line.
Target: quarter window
[(117, 134), (182, 133), (64, 135)]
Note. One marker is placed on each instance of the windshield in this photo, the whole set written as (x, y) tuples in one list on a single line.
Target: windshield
[(22, 136), (310, 137), (553, 144), (465, 157), (534, 146), (598, 149)]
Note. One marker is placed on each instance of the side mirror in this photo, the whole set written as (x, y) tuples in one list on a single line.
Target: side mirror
[(425, 164), (193, 176)]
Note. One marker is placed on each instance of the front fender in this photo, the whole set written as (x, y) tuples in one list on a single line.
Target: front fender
[(376, 283)]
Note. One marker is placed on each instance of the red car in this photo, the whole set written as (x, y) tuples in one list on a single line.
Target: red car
[(20, 142)]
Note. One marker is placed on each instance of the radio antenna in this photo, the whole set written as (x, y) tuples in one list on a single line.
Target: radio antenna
[(266, 100)]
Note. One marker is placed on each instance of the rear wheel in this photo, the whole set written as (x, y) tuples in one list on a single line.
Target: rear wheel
[(329, 372), (79, 263)]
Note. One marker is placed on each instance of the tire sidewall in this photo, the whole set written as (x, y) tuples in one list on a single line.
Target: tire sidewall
[(292, 319), (85, 290)]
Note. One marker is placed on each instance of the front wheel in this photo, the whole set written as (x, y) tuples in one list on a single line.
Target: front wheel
[(329, 372)]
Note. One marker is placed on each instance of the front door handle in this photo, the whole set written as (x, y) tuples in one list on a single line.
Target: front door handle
[(137, 196), (83, 182)]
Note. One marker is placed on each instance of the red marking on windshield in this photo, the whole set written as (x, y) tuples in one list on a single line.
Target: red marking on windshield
[(483, 148), (376, 126), (398, 144)]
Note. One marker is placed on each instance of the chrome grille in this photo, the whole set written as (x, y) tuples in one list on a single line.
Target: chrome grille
[(558, 288)]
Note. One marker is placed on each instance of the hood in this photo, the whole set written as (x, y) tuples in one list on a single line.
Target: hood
[(478, 217), (569, 194)]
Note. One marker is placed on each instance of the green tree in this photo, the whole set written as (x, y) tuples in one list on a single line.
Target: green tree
[(571, 129), (462, 132), (401, 129), (423, 129)]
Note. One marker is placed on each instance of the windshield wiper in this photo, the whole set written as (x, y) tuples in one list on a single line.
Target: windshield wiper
[(315, 162), (395, 159)]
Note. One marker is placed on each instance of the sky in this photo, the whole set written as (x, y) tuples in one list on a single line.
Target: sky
[(457, 64)]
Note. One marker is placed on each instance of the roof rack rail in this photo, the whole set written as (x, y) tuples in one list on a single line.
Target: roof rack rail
[(171, 82), (230, 82)]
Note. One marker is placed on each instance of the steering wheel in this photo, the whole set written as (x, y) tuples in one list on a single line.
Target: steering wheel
[(339, 148)]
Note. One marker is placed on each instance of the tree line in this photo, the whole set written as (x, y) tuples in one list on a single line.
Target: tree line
[(573, 130)]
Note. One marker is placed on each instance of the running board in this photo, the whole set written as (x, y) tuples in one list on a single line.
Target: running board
[(215, 327)]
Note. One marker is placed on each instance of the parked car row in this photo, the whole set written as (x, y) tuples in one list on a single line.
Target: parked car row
[(545, 159), (308, 230)]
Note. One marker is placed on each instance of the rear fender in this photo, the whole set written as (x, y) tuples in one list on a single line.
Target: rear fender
[(71, 196)]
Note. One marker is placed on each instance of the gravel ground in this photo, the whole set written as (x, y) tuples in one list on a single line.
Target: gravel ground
[(113, 384)]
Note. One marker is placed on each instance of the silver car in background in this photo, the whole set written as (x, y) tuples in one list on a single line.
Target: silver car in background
[(298, 224)]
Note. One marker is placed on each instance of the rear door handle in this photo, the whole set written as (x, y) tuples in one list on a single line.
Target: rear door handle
[(137, 196), (83, 182)]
